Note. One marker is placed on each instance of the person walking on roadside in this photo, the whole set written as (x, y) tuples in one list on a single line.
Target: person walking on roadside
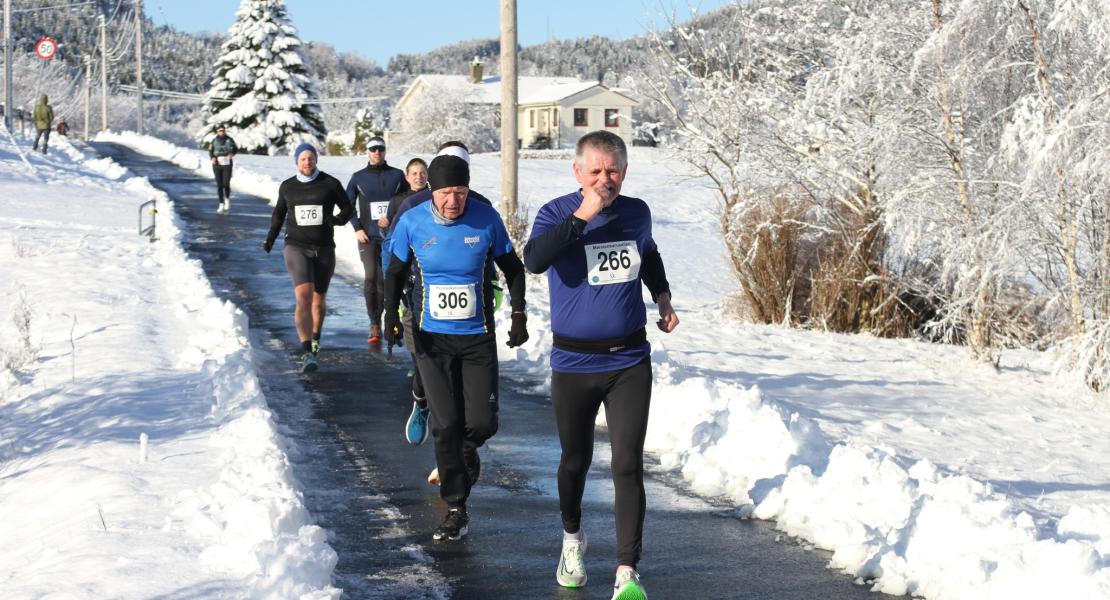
[(597, 249), (306, 206), (370, 190), (449, 242), (44, 120), (221, 152)]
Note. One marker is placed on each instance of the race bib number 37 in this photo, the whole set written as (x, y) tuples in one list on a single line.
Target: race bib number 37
[(309, 214), (612, 262), (451, 302), (378, 210)]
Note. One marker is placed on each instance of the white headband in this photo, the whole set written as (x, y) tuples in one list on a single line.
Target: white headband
[(458, 151)]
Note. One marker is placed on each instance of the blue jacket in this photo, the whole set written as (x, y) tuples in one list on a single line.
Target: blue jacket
[(370, 190)]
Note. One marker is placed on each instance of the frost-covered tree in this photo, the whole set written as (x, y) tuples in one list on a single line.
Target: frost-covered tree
[(434, 117), (260, 86)]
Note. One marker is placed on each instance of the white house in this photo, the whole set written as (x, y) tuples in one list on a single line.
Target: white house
[(552, 111)]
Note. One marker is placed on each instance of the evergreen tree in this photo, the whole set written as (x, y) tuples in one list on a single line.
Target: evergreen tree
[(260, 86)]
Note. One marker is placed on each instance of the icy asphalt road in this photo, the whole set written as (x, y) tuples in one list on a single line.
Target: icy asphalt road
[(366, 486)]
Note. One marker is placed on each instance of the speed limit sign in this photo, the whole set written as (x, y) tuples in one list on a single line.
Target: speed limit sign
[(45, 48)]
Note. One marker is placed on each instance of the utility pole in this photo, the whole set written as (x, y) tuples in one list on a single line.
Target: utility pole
[(139, 59), (508, 109), (88, 91), (103, 75), (8, 64)]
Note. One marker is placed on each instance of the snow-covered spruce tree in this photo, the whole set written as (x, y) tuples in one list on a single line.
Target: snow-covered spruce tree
[(260, 85)]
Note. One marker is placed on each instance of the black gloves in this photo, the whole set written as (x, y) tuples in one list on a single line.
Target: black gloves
[(268, 245), (392, 329), (518, 332)]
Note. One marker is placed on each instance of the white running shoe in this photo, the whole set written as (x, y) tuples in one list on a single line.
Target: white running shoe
[(628, 586), (572, 565), (433, 477)]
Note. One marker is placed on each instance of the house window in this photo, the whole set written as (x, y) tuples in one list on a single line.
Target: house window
[(612, 117), (580, 119), (532, 119)]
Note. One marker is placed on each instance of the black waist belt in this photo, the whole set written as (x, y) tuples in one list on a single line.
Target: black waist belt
[(599, 346)]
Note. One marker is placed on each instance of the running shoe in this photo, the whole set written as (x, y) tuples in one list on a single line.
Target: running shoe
[(454, 526), (416, 429), (433, 477), (375, 336), (572, 564), (628, 586), (472, 463), (315, 347), (308, 362)]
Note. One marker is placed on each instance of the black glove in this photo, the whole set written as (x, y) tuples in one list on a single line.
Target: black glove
[(267, 246), (518, 333), (392, 329)]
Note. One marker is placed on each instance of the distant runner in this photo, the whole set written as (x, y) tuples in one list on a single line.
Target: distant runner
[(370, 190), (221, 152), (305, 205), (597, 249), (449, 241)]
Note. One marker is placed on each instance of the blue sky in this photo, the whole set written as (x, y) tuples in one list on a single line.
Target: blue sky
[(378, 30)]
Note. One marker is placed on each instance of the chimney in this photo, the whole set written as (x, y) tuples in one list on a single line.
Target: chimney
[(476, 70)]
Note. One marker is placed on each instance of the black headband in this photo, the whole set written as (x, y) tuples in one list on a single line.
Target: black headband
[(448, 171)]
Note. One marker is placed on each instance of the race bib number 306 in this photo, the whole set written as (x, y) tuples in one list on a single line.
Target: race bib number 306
[(451, 302), (612, 262), (309, 214)]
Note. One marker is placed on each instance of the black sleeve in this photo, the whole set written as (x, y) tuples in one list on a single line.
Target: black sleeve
[(344, 204), (277, 219), (654, 275), (510, 265), (395, 276), (542, 250)]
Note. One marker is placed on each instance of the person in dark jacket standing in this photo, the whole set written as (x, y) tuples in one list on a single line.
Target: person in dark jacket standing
[(370, 190), (598, 251), (44, 120), (221, 152), (306, 205)]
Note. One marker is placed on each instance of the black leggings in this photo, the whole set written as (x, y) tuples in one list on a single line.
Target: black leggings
[(460, 378), (626, 395), (223, 180), (373, 283)]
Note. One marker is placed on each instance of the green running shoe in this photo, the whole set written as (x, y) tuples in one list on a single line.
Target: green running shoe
[(308, 362), (628, 586)]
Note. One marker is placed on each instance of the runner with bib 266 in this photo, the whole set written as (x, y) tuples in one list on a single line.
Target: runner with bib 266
[(306, 205), (597, 249), (448, 241)]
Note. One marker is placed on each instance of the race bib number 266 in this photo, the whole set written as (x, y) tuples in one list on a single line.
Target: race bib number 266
[(309, 214), (612, 262)]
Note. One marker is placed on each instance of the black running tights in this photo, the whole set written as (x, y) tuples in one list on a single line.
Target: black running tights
[(626, 395)]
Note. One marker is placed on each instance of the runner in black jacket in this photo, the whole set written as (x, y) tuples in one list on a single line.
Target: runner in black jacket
[(306, 205)]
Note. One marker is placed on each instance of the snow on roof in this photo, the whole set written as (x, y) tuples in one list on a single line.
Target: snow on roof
[(530, 90)]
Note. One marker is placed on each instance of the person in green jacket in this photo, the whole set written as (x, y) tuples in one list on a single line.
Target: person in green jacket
[(44, 119)]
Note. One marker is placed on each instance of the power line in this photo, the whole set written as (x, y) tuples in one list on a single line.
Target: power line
[(38, 8), (204, 98)]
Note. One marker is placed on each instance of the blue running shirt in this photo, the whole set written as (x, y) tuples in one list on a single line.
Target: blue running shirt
[(595, 281), (450, 262)]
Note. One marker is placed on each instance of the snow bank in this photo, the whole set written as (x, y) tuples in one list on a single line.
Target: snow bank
[(139, 457)]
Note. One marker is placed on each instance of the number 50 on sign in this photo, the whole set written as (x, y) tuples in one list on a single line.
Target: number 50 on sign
[(45, 48)]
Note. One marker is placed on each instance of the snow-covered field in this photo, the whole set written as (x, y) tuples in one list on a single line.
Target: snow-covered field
[(923, 472), (138, 457)]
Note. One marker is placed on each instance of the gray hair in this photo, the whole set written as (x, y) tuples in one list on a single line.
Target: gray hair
[(602, 141)]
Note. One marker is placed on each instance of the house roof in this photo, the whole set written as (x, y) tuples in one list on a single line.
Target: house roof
[(530, 90)]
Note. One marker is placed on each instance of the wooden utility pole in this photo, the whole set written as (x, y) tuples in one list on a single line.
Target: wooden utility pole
[(88, 92), (508, 109), (139, 61), (103, 75), (8, 64)]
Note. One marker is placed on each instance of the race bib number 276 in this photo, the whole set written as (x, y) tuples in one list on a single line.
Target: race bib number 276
[(309, 214), (612, 262)]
